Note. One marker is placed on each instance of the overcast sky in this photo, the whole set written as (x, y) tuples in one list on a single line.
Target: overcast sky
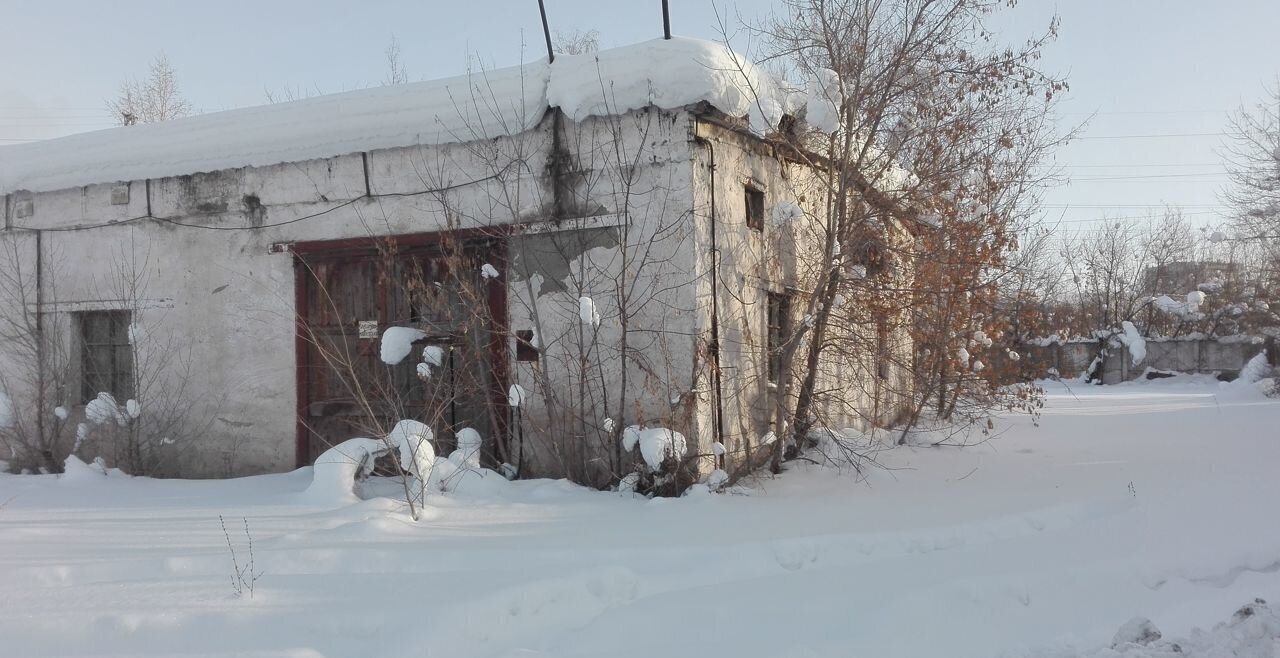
[(1166, 71)]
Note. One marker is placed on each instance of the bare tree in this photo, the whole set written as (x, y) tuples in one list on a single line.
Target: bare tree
[(1143, 272), (931, 127), (1253, 162), (156, 421), (396, 73), (157, 98), (290, 93), (576, 42), (35, 377)]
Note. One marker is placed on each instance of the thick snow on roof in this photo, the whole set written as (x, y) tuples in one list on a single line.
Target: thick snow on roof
[(484, 104)]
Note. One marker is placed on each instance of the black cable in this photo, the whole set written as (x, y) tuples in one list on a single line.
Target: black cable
[(174, 222)]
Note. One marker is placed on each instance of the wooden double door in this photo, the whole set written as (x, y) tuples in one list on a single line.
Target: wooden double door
[(348, 295)]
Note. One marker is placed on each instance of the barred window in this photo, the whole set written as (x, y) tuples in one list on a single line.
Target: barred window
[(106, 357)]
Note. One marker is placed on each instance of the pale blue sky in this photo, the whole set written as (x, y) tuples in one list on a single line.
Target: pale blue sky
[(1148, 67)]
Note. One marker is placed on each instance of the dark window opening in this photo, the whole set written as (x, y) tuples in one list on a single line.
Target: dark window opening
[(106, 357), (882, 349), (778, 332), (525, 349), (870, 252), (755, 208)]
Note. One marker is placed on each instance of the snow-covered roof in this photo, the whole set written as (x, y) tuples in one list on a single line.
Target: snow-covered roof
[(484, 104)]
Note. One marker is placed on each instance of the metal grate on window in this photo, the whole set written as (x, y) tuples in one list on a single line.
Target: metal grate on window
[(106, 356)]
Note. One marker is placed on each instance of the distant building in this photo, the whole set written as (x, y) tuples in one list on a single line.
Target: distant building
[(1180, 277)]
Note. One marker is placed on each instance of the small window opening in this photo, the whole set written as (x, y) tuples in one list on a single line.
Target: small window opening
[(525, 349), (106, 356), (882, 350), (778, 332), (755, 208)]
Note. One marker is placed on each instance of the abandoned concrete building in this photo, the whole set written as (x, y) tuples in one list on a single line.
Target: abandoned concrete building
[(573, 247)]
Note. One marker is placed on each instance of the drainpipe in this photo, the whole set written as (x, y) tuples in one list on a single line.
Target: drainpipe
[(715, 291), (41, 382)]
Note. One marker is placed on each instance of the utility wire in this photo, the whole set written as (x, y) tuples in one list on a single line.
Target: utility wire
[(1133, 165), (1134, 218), (1145, 176), (1151, 136), (326, 211)]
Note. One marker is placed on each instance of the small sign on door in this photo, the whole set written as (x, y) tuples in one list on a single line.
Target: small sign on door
[(368, 328)]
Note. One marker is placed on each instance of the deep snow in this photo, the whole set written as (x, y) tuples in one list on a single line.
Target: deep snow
[(1151, 499)]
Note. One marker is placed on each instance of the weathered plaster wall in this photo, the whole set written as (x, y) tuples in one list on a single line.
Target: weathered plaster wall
[(620, 236), (781, 257), (213, 294), (615, 209)]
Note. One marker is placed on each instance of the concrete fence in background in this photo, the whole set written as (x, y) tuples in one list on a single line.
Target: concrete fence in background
[(1207, 356)]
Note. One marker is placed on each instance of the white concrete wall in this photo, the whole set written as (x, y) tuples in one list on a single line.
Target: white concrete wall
[(1208, 356), (616, 209), (626, 244), (783, 256), (222, 304)]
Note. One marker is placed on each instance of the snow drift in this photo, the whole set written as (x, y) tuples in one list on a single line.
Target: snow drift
[(1254, 630)]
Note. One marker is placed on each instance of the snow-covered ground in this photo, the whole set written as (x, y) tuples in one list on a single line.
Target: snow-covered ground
[(1154, 499)]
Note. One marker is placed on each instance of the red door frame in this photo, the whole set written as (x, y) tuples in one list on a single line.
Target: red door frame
[(495, 293)]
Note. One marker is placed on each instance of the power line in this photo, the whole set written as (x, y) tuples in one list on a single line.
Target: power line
[(1133, 218), (1188, 181), (1131, 205), (1151, 136), (1146, 176), (1139, 165), (54, 117), (66, 124), (1111, 112), (17, 108)]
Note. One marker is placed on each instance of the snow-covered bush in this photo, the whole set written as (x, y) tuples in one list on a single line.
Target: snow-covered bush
[(1256, 369), (661, 453), (417, 455), (716, 480), (467, 453), (628, 483), (1134, 341), (339, 469), (36, 372), (659, 447)]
